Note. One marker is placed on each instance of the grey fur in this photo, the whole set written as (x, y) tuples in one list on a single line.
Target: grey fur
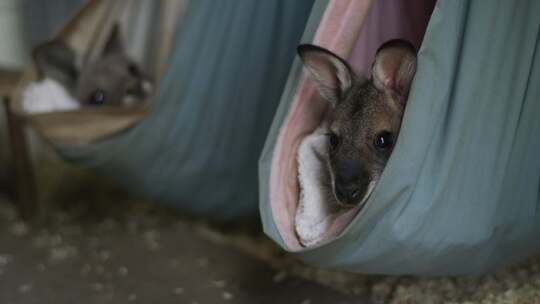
[(112, 76)]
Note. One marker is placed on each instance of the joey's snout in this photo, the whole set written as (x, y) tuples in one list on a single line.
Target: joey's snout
[(351, 181)]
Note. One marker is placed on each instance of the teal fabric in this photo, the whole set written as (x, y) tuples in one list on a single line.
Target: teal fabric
[(460, 194), (43, 18), (198, 149)]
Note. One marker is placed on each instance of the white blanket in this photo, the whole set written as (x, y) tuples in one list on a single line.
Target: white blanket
[(47, 96), (317, 208)]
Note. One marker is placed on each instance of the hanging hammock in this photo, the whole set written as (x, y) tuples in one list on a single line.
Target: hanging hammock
[(198, 146), (460, 193), (86, 33)]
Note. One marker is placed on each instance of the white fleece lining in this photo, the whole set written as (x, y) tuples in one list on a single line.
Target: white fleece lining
[(317, 206), (47, 96)]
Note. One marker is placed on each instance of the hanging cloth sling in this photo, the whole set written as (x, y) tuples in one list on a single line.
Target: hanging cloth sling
[(86, 33), (460, 193), (197, 149)]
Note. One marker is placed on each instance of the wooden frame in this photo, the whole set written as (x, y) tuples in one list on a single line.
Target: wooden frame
[(21, 182)]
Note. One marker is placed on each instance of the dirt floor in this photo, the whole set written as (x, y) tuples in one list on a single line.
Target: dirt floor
[(139, 261), (96, 244)]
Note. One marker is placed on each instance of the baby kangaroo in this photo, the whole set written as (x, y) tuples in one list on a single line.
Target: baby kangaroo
[(365, 115), (340, 163), (112, 79)]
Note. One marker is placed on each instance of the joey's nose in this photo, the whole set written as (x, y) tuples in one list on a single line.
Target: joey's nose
[(350, 181), (348, 193)]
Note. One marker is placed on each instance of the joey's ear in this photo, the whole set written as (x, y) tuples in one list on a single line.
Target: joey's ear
[(56, 60), (331, 73), (114, 43), (394, 67)]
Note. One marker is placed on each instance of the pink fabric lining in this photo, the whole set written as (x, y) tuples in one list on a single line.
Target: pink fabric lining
[(342, 31), (389, 19)]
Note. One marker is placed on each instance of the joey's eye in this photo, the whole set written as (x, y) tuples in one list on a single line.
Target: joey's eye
[(333, 140), (383, 141), (97, 98)]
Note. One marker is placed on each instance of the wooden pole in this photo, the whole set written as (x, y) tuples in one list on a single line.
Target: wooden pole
[(21, 178)]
